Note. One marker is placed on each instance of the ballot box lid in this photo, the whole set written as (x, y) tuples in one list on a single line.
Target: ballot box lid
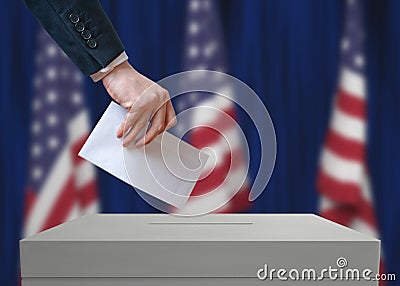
[(215, 245), (212, 227)]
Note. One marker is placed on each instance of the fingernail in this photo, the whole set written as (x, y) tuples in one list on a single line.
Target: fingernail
[(140, 143)]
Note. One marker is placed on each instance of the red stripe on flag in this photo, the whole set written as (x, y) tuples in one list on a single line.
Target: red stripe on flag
[(341, 214), (345, 213), (76, 147), (218, 175), (337, 191), (88, 194), (30, 199), (239, 203), (214, 179), (366, 213), (344, 147), (204, 136), (351, 104), (62, 206), (382, 270)]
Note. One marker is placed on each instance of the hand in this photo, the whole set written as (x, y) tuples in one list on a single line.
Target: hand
[(143, 99)]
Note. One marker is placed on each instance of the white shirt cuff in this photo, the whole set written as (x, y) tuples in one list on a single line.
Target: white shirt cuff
[(105, 71)]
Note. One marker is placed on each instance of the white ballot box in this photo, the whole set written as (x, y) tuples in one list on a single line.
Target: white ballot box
[(220, 249)]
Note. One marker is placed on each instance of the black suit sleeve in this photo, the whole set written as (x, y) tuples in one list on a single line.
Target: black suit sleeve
[(81, 29)]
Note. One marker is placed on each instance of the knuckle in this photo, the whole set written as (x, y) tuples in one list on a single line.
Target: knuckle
[(159, 128), (164, 94), (140, 104)]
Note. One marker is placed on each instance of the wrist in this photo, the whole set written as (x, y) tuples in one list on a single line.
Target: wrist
[(118, 81), (99, 75), (114, 73)]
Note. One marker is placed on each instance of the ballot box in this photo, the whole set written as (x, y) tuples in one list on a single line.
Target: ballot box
[(218, 249)]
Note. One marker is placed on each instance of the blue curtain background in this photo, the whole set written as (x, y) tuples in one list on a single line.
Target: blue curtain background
[(287, 51)]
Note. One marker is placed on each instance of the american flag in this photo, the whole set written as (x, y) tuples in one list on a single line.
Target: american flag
[(343, 180), (61, 186), (204, 50)]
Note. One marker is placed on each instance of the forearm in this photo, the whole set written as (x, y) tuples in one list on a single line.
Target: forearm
[(84, 32)]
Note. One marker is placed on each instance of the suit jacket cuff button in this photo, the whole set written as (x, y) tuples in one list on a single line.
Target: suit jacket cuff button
[(74, 18), (79, 26), (92, 43), (86, 34)]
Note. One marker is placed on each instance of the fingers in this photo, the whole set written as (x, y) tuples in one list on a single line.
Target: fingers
[(157, 126), (132, 126), (170, 119), (163, 119), (156, 101), (120, 131), (130, 119)]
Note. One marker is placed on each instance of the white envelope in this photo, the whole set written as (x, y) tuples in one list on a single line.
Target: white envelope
[(155, 169)]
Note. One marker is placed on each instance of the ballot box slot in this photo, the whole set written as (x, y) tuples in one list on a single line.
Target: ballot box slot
[(201, 223)]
